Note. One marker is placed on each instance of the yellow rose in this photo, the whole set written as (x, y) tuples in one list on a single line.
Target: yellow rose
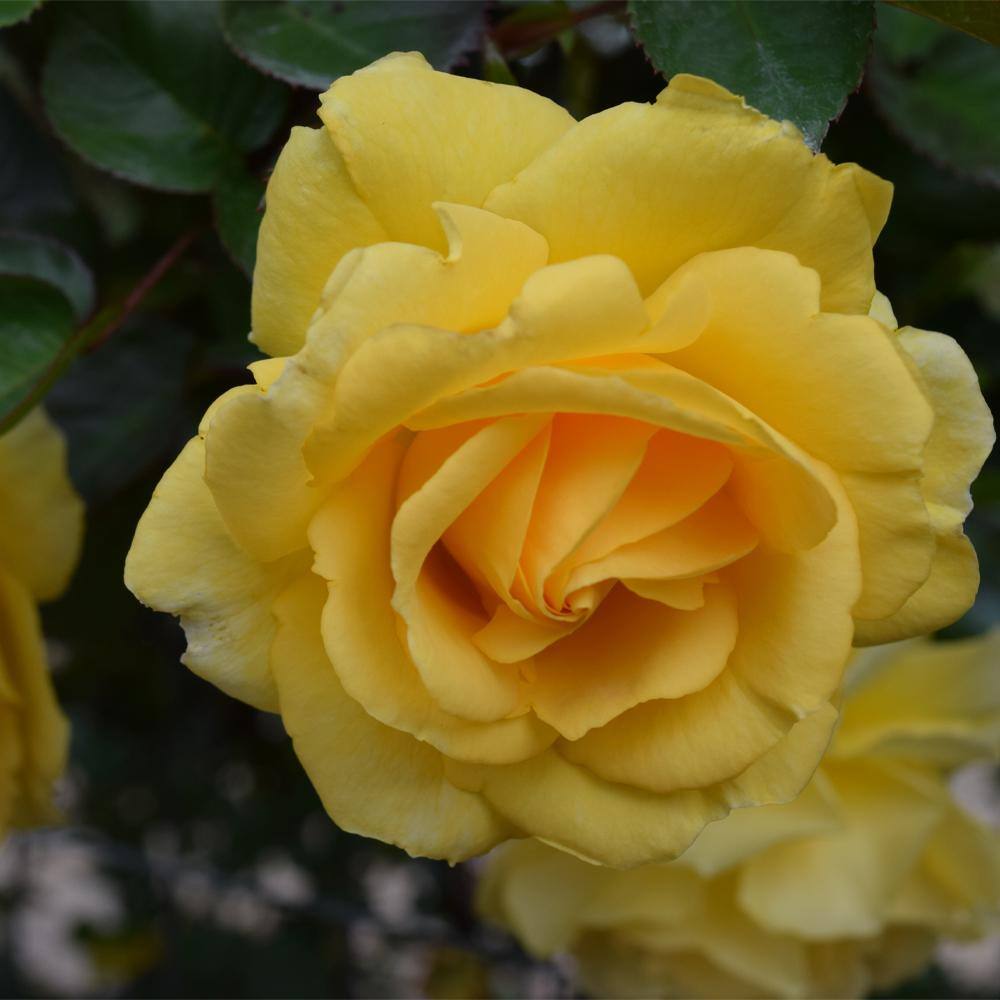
[(578, 467), (41, 522), (845, 889)]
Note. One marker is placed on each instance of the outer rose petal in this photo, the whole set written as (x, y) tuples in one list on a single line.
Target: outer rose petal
[(852, 873), (459, 139), (41, 517), (746, 832), (372, 779), (35, 736), (255, 464), (736, 178), (958, 883), (314, 216), (934, 701), (183, 561), (960, 441), (570, 807), (518, 893), (767, 345)]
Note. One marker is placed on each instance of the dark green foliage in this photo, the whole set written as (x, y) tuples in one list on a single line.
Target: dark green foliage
[(36, 324), (940, 90), (310, 42), (238, 204), (980, 18), (12, 11), (797, 60), (149, 92)]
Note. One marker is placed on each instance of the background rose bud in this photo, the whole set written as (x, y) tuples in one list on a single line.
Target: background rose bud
[(842, 891), (584, 466), (41, 523)]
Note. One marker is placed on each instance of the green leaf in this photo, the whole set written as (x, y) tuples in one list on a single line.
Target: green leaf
[(34, 187), (12, 11), (311, 43), (123, 405), (795, 61), (150, 92), (979, 18), (238, 206), (36, 328), (52, 262), (941, 95)]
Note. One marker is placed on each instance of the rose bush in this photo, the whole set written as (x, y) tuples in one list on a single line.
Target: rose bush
[(41, 523), (578, 466), (844, 890)]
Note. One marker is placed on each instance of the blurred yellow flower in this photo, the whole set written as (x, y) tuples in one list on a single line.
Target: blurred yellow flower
[(579, 465), (843, 890), (41, 523)]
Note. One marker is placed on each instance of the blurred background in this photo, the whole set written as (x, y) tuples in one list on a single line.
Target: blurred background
[(196, 858)]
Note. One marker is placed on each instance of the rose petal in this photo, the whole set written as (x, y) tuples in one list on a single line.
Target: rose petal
[(373, 780), (458, 137), (183, 561), (456, 673), (736, 179), (314, 216), (632, 651), (350, 536), (933, 701), (34, 729), (41, 514)]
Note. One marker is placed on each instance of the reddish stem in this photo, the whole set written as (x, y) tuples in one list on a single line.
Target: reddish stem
[(513, 38), (147, 283)]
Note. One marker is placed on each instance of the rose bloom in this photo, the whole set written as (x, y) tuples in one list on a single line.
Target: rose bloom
[(578, 467), (843, 890), (41, 524)]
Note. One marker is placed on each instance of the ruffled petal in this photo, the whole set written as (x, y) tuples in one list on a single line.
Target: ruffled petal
[(350, 536), (572, 310), (458, 138), (711, 538), (767, 344), (961, 439), (572, 808), (439, 627), (778, 488), (183, 561), (373, 780), (852, 874), (938, 701), (256, 467), (737, 179), (746, 832), (469, 287), (631, 651), (314, 216), (692, 742), (962, 436)]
